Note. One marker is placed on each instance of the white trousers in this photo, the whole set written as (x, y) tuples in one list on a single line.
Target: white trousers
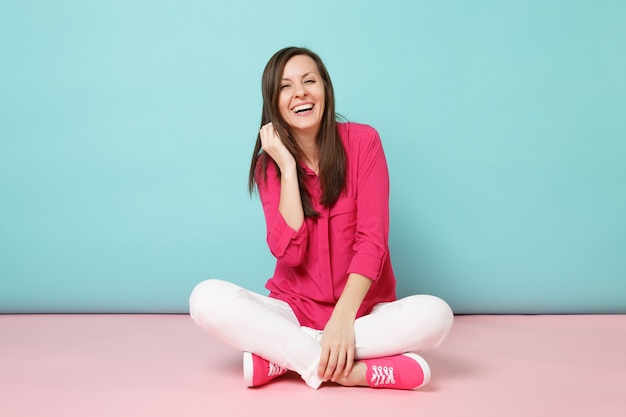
[(269, 328)]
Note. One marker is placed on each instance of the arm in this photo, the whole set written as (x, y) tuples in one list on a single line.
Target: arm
[(286, 230), (338, 337), (290, 206)]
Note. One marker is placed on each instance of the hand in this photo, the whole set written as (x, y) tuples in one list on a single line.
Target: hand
[(337, 344), (274, 147)]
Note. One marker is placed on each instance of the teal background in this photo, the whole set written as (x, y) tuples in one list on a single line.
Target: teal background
[(126, 130)]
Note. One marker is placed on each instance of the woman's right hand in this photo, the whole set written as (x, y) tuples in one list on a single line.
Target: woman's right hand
[(274, 147)]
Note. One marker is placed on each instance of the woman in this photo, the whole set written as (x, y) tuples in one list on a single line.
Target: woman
[(332, 313)]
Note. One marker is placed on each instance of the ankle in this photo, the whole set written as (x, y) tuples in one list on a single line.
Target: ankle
[(356, 377)]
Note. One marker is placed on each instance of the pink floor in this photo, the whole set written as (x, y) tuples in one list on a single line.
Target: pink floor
[(163, 365)]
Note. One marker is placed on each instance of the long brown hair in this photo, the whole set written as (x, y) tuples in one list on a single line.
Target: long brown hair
[(332, 168)]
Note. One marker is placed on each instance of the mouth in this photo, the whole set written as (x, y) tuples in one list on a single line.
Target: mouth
[(303, 109)]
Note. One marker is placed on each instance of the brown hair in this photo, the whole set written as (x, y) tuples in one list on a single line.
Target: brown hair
[(332, 169)]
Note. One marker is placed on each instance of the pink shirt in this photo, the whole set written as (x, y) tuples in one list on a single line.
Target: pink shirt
[(313, 263)]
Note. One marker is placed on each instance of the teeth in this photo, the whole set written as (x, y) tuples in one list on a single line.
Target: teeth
[(302, 107)]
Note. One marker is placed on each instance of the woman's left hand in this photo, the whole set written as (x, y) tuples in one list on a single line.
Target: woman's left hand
[(337, 344)]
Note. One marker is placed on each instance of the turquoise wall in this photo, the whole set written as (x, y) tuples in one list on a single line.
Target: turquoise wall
[(126, 129)]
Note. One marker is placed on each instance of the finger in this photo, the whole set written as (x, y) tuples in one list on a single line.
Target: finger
[(269, 137), (330, 367), (349, 362), (341, 363), (266, 131), (321, 368), (266, 128)]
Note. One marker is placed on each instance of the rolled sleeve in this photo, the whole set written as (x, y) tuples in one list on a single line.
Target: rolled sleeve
[(286, 244), (370, 266)]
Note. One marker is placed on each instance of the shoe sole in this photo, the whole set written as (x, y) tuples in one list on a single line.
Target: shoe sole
[(248, 369)]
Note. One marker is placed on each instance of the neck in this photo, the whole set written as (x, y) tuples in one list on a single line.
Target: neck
[(310, 153)]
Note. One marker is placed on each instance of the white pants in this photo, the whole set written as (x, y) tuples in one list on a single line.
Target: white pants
[(269, 328)]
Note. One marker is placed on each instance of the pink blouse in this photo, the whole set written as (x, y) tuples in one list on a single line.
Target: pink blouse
[(313, 263)]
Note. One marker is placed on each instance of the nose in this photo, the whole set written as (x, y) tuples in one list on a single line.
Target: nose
[(300, 90)]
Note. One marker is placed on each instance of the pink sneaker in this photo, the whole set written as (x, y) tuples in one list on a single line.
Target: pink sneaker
[(406, 371), (258, 371)]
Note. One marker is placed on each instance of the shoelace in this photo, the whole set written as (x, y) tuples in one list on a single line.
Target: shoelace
[(382, 375), (274, 369)]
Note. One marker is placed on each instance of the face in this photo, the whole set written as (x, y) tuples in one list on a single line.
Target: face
[(301, 97)]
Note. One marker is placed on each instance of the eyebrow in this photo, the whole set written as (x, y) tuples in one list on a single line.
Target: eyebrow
[(303, 75)]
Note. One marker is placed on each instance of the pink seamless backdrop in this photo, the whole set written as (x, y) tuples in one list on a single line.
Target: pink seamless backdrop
[(163, 365)]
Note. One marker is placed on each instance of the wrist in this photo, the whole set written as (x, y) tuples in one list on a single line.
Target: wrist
[(344, 313), (288, 169)]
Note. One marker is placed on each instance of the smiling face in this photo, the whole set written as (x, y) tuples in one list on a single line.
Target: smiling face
[(301, 98)]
